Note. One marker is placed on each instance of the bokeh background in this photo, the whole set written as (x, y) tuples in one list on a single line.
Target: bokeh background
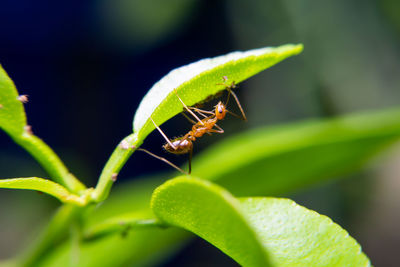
[(86, 65)]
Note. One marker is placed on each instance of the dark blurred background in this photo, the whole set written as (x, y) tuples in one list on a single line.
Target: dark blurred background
[(86, 65)]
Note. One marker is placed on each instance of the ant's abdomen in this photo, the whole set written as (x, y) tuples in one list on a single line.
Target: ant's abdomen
[(181, 146)]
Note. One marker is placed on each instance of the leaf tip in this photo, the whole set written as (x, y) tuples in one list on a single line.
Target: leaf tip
[(299, 48), (293, 49)]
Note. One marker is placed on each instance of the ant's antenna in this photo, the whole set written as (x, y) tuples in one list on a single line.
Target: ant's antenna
[(230, 92)]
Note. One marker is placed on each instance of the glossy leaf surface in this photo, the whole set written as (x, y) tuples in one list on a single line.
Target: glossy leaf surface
[(196, 81), (212, 213), (290, 234), (296, 236)]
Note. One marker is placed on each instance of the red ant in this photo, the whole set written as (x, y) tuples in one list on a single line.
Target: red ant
[(184, 144)]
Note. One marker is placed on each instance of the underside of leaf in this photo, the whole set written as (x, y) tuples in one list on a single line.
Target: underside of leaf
[(197, 81)]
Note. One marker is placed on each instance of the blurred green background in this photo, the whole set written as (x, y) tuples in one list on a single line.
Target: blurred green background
[(87, 64)]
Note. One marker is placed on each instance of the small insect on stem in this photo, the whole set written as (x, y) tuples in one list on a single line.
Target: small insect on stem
[(23, 98), (206, 125), (28, 129)]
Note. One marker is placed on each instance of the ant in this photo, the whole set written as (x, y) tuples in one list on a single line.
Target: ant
[(184, 144)]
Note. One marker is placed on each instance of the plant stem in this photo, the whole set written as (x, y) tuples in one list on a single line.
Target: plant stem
[(53, 233), (119, 225), (75, 243), (114, 164), (49, 161)]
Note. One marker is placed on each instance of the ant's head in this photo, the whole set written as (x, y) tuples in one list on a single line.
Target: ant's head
[(220, 110)]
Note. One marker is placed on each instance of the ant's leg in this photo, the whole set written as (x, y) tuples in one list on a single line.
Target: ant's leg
[(204, 116), (189, 119), (201, 111), (220, 130), (163, 159), (240, 106), (228, 87), (217, 131), (186, 107), (190, 160), (224, 83), (163, 134), (192, 121)]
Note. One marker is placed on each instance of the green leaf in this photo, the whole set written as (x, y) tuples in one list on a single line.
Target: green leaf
[(45, 186), (250, 229), (281, 159), (196, 81), (12, 114), (212, 213), (296, 236)]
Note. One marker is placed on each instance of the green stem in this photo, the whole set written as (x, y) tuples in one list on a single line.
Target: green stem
[(117, 160), (49, 161), (75, 243), (119, 225), (55, 231)]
